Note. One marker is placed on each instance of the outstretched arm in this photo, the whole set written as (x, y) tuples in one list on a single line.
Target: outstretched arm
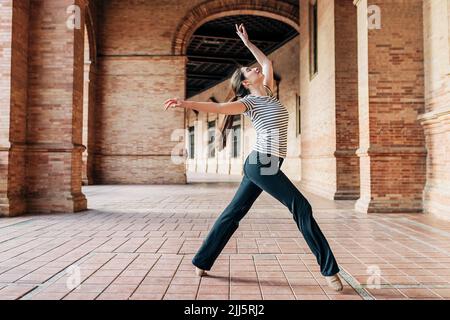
[(262, 59), (229, 108)]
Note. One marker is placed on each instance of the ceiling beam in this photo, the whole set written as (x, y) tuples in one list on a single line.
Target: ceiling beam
[(205, 76)]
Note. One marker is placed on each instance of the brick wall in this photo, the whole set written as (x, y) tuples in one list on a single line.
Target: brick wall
[(133, 134), (140, 27)]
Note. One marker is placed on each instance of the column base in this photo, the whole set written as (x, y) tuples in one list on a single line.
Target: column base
[(364, 205), (12, 206), (57, 203), (346, 195)]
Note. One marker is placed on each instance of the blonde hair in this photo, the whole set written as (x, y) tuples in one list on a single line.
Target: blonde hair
[(239, 91), (236, 84)]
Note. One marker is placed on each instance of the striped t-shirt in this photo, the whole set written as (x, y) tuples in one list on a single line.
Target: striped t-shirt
[(270, 120)]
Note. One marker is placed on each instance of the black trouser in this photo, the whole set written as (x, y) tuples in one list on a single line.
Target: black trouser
[(262, 172)]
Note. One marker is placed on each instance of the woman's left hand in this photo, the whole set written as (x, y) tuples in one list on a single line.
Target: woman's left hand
[(174, 103), (242, 33)]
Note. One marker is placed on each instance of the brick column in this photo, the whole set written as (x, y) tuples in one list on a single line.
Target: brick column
[(13, 104), (54, 128), (391, 96)]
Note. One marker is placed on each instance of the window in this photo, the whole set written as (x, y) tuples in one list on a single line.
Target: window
[(313, 39), (298, 115), (191, 142), (211, 139), (236, 138)]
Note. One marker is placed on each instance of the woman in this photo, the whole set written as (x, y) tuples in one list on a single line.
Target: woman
[(262, 170)]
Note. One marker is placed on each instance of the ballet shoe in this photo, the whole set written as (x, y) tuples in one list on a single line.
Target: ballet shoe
[(334, 282), (199, 272)]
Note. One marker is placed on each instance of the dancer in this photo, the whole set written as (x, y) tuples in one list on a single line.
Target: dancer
[(262, 168)]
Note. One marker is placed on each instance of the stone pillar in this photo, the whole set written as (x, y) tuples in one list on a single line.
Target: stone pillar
[(13, 103), (54, 128), (436, 118), (391, 96)]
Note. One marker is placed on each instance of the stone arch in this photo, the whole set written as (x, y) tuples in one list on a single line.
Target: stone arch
[(212, 10)]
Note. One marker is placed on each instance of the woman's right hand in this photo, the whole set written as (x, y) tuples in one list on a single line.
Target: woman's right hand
[(174, 103), (242, 33)]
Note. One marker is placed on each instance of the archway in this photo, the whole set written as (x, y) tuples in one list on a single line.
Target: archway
[(200, 28)]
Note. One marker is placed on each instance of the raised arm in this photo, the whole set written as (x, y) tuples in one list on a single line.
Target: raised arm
[(262, 59), (229, 108)]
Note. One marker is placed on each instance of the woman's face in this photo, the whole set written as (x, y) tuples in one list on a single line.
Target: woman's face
[(253, 75)]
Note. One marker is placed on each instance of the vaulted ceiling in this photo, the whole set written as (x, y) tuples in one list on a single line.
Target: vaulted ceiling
[(215, 49)]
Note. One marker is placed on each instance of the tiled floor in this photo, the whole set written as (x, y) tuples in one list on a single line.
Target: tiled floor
[(137, 242)]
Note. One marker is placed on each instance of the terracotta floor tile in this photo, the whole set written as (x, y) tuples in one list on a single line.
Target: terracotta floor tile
[(277, 290), (114, 296), (307, 290), (182, 289), (419, 293), (312, 297), (81, 296), (303, 282), (345, 297), (48, 296), (273, 281), (211, 289), (212, 297), (445, 293), (147, 296), (179, 296), (279, 297), (246, 297), (151, 288)]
